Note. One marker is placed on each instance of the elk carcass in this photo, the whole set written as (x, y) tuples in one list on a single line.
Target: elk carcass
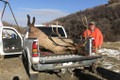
[(56, 45)]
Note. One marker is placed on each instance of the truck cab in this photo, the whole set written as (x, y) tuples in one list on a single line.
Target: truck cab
[(11, 41)]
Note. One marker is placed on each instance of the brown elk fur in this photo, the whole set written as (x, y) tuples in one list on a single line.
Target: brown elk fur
[(63, 47)]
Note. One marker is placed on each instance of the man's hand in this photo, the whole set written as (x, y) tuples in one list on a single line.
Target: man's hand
[(99, 47)]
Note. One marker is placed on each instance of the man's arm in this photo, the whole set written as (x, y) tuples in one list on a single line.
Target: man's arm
[(100, 40), (84, 33)]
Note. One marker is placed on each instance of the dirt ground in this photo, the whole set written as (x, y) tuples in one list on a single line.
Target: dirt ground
[(13, 69)]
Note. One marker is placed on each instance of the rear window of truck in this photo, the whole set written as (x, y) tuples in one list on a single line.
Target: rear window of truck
[(48, 31)]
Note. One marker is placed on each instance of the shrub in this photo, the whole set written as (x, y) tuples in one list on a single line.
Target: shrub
[(107, 19)]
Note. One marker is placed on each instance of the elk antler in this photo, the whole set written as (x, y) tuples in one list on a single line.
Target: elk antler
[(86, 25), (59, 35)]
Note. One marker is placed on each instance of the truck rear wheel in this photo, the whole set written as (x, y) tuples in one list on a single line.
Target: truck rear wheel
[(33, 75)]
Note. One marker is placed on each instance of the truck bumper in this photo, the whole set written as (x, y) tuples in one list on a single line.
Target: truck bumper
[(57, 66)]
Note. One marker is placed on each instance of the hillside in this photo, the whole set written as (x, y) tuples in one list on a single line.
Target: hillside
[(107, 18), (21, 29)]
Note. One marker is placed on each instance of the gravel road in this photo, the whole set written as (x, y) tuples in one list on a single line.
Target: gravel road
[(13, 69)]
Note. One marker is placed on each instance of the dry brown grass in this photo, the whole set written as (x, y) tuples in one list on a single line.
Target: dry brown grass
[(106, 17), (111, 45), (20, 29)]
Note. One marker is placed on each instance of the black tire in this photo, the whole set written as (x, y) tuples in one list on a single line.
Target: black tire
[(33, 76)]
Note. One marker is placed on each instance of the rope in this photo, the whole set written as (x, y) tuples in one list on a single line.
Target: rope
[(3, 10), (6, 2), (14, 17)]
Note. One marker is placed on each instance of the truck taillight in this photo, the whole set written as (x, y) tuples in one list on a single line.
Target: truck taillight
[(35, 55), (93, 51), (34, 45), (34, 50), (93, 47), (47, 25)]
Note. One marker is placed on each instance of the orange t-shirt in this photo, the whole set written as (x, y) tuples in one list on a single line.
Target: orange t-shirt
[(97, 35)]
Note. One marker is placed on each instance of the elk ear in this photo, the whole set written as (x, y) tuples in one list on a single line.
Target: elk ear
[(33, 21), (28, 23)]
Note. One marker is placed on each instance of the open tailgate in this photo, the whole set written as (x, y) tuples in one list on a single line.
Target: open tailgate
[(66, 58)]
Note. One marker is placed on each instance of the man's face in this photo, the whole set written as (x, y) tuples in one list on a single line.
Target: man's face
[(92, 27)]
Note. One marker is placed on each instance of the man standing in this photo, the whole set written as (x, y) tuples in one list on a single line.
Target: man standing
[(98, 40), (96, 34)]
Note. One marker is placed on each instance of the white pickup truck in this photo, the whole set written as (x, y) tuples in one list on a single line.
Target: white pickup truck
[(11, 42), (37, 59)]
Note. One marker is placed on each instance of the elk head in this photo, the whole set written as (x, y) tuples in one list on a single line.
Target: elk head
[(32, 28)]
